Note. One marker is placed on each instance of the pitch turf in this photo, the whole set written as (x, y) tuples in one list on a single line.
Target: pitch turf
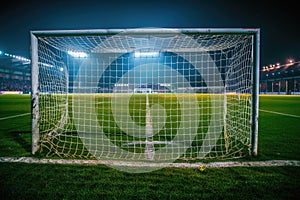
[(123, 119), (278, 140)]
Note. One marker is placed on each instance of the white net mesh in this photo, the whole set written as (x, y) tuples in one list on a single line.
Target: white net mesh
[(142, 95)]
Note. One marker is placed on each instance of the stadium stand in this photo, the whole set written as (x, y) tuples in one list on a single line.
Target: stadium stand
[(14, 74), (280, 79), (274, 79)]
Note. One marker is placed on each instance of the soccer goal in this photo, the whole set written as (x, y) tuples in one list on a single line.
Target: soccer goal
[(147, 94)]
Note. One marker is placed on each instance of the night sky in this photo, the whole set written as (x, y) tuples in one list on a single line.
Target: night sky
[(279, 22)]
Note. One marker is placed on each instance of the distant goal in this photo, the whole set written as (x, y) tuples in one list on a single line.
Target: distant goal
[(148, 94)]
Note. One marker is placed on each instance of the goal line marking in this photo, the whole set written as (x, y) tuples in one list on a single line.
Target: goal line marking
[(14, 116), (267, 163), (279, 113)]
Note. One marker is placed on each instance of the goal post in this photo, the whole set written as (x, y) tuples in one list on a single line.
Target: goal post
[(146, 94)]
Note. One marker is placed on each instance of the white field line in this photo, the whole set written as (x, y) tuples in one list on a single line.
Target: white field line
[(269, 163), (14, 116), (279, 113)]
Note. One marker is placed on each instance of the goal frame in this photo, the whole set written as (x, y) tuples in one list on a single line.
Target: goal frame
[(35, 68)]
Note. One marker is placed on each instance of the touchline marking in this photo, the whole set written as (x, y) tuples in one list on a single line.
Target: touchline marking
[(279, 113), (3, 118)]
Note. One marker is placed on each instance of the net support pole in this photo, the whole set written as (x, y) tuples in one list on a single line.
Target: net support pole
[(255, 99), (34, 94), (224, 121)]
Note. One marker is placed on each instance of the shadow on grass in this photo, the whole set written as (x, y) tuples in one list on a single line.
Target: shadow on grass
[(23, 138)]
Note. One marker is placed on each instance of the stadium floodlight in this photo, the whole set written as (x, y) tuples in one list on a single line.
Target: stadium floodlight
[(197, 100), (25, 60), (77, 54), (145, 54)]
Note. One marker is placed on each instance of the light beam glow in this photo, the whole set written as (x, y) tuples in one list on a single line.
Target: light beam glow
[(77, 54), (146, 54)]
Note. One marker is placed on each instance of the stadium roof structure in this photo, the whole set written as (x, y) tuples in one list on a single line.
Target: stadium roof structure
[(291, 70), (14, 62)]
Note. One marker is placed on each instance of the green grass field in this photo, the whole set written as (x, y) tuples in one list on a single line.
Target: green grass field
[(125, 118), (278, 140)]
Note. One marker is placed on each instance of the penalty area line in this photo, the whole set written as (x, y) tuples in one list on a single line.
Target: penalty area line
[(279, 113), (14, 116), (268, 163)]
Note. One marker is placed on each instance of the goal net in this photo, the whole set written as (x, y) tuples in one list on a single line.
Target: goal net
[(150, 94)]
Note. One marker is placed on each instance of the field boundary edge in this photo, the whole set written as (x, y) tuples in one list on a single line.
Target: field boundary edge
[(268, 163)]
